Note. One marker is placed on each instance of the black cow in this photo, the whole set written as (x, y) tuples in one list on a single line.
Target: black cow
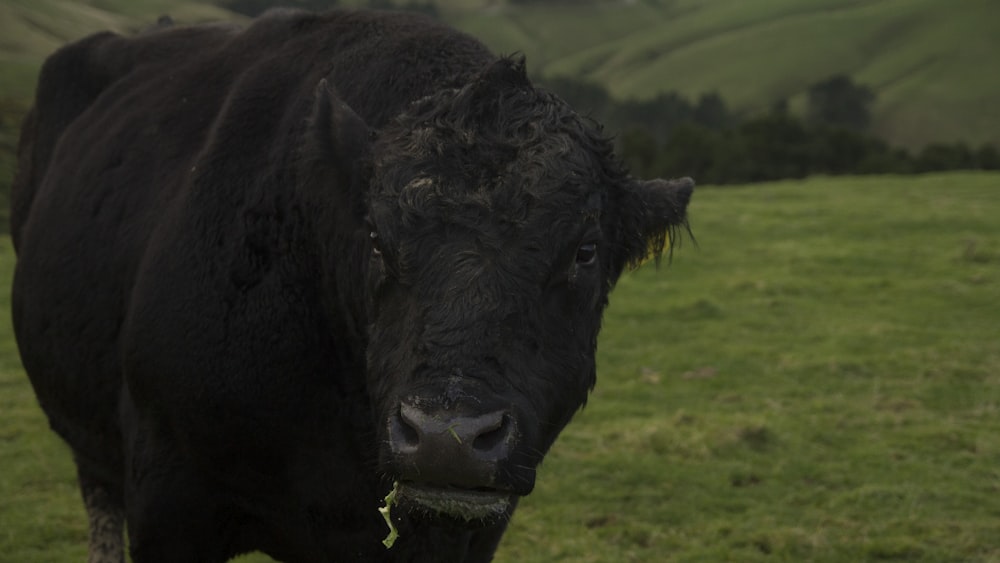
[(268, 274)]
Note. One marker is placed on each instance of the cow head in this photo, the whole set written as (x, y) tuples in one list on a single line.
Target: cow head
[(497, 221)]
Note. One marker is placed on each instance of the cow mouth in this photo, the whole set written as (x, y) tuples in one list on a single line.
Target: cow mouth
[(481, 504)]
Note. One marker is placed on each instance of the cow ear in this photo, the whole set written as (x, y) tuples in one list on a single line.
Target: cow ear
[(337, 131), (338, 150), (655, 217)]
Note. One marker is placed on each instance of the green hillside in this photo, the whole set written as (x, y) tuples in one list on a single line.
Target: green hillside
[(929, 61)]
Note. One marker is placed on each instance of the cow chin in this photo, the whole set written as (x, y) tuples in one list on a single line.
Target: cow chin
[(468, 508)]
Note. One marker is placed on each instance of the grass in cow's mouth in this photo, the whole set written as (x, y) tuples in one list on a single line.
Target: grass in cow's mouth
[(467, 505), (389, 500)]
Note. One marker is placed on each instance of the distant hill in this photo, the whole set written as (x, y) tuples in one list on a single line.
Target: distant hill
[(931, 63)]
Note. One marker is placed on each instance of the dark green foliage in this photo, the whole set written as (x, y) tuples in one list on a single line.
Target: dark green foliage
[(988, 158), (658, 116), (587, 97), (777, 146), (639, 149), (691, 147), (670, 136), (843, 151), (712, 112), (839, 102), (938, 157)]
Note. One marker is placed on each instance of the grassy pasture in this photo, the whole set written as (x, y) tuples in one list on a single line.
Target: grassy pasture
[(819, 379)]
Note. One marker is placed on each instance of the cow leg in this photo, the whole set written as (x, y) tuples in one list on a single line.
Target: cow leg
[(168, 527), (106, 517), (173, 515)]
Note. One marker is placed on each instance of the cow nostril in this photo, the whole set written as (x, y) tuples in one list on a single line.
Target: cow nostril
[(419, 436), (494, 436), (403, 432)]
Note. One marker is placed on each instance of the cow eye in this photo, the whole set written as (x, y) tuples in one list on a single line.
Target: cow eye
[(376, 247), (586, 254)]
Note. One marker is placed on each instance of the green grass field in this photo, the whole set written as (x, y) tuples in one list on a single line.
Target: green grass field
[(817, 380)]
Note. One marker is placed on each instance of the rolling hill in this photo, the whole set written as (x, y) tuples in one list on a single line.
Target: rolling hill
[(928, 61)]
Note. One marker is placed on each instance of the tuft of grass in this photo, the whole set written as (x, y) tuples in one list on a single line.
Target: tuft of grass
[(385, 511)]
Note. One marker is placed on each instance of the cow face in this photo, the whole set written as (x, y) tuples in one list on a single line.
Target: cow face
[(497, 222)]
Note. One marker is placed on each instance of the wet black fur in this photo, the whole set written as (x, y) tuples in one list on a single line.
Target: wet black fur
[(240, 249)]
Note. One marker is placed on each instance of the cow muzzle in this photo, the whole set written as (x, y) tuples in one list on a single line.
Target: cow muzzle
[(449, 463)]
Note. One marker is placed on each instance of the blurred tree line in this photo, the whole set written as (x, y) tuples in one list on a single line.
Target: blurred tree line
[(670, 136)]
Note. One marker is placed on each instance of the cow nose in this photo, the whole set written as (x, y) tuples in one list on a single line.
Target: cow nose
[(448, 449)]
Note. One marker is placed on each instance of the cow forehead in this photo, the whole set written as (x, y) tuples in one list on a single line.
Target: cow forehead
[(524, 170), (522, 138), (505, 181), (501, 208)]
